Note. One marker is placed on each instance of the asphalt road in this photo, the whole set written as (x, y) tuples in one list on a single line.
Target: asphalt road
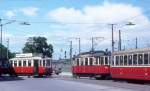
[(61, 83)]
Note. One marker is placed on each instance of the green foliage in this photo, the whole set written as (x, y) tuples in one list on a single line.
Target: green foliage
[(3, 53), (38, 45)]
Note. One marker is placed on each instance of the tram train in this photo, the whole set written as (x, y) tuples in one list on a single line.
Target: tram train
[(129, 64), (31, 65)]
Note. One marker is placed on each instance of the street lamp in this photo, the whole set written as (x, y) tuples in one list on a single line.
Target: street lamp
[(1, 29)]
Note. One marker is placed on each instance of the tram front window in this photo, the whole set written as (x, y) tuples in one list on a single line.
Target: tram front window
[(15, 63), (44, 63), (91, 61)]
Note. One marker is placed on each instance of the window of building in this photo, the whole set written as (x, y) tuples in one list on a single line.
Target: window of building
[(129, 59), (134, 59), (86, 61), (29, 62), (24, 63), (140, 58), (15, 63), (19, 64), (125, 59), (91, 61), (146, 58)]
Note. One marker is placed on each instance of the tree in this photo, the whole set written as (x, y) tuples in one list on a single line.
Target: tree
[(38, 45), (3, 53)]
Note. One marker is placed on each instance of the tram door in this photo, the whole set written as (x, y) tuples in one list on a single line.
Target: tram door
[(36, 68)]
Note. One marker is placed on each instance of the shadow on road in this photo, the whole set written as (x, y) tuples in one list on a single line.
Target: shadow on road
[(2, 79)]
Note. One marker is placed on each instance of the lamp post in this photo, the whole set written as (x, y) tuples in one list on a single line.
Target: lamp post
[(1, 30)]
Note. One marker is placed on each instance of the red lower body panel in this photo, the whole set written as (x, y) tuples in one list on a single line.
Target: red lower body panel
[(30, 70), (90, 69), (137, 73)]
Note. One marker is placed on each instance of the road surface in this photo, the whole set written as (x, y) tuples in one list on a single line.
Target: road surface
[(60, 83)]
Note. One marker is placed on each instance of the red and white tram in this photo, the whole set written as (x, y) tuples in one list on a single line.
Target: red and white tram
[(91, 65), (131, 64), (31, 64)]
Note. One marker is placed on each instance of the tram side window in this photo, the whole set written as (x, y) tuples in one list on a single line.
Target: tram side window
[(96, 61), (77, 62), (101, 60), (146, 58), (81, 61), (86, 61), (135, 59), (29, 62), (91, 61), (15, 63), (140, 58), (24, 63), (106, 60), (40, 62), (121, 60), (117, 60), (44, 63), (130, 59), (125, 59), (19, 63)]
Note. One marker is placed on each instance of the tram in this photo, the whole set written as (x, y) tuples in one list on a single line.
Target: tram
[(31, 65), (131, 64), (91, 64)]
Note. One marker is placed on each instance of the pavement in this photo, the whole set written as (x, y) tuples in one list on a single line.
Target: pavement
[(63, 83)]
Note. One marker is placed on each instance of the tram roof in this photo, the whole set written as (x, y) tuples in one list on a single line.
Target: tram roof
[(130, 51)]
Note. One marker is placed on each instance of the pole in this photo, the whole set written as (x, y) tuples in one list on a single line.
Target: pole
[(119, 40), (79, 45), (136, 46), (112, 28), (92, 44), (8, 48), (1, 42), (70, 51)]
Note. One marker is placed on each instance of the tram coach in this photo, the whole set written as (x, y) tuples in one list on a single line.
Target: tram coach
[(91, 64), (131, 64), (31, 64)]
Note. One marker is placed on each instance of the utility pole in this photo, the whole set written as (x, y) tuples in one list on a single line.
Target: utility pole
[(92, 45), (79, 40), (119, 44), (136, 43), (112, 29), (70, 51), (8, 48)]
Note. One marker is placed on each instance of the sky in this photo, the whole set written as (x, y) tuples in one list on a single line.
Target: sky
[(61, 21)]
